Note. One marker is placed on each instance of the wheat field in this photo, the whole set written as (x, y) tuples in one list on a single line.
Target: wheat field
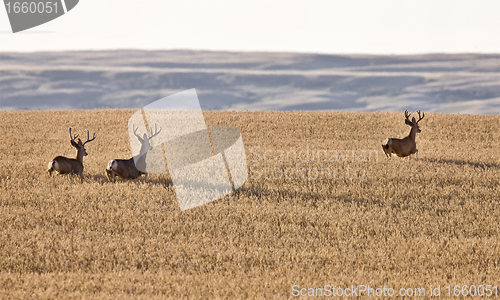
[(322, 205)]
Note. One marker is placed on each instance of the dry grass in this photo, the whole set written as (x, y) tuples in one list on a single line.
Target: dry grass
[(407, 223)]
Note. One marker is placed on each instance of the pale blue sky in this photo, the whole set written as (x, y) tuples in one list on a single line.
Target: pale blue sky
[(321, 26)]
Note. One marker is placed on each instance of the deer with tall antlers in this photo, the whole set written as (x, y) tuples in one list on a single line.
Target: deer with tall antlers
[(406, 146), (64, 165), (127, 168)]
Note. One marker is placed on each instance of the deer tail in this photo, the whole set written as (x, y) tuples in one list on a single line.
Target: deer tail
[(52, 165), (111, 165)]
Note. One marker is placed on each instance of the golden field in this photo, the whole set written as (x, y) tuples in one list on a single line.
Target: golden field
[(398, 223)]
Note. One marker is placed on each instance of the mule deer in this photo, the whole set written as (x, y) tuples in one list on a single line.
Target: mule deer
[(127, 168), (64, 165), (406, 146)]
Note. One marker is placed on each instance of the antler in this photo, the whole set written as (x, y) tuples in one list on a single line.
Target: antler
[(141, 140), (88, 138), (407, 115), (152, 134), (156, 132), (72, 137), (135, 131), (420, 117)]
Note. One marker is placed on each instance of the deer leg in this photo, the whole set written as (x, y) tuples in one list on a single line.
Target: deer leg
[(111, 175), (386, 150), (51, 168)]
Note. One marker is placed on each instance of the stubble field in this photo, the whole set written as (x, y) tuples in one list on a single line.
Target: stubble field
[(321, 206)]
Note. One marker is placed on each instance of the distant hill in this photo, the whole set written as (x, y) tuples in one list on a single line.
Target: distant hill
[(459, 83)]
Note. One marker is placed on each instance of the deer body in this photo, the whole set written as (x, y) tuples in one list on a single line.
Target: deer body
[(64, 165), (127, 168), (124, 168), (406, 146)]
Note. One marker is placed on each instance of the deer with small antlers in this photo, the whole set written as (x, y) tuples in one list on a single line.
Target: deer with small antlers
[(64, 165), (406, 146), (127, 168)]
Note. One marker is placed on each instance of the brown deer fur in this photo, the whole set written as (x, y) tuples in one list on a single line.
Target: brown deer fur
[(406, 146), (64, 165), (127, 168)]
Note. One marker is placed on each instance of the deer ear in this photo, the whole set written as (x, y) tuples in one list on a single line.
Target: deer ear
[(80, 142), (413, 120), (407, 122), (74, 144), (145, 136)]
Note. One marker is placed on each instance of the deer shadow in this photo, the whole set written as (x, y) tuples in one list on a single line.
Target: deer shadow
[(158, 180), (102, 179), (285, 196), (482, 165), (98, 178)]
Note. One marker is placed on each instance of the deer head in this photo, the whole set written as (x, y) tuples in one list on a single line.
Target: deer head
[(80, 147), (145, 145), (413, 123)]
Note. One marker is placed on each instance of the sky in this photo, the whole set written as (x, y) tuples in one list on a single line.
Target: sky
[(310, 26)]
